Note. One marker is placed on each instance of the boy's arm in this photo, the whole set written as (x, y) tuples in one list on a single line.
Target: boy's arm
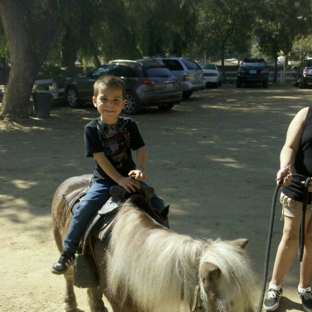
[(126, 182)]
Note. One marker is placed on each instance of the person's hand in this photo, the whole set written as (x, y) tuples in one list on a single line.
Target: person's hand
[(137, 174), (284, 174), (129, 184)]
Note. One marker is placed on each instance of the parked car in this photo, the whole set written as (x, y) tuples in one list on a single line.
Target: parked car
[(189, 73), (252, 71), (148, 82), (212, 74), (304, 73)]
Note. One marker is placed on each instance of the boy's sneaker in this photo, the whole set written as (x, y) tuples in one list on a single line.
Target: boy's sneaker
[(61, 266), (306, 299), (271, 303)]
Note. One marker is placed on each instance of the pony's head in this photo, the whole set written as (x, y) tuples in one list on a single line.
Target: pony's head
[(225, 277)]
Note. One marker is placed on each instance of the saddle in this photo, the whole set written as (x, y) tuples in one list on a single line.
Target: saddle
[(85, 274)]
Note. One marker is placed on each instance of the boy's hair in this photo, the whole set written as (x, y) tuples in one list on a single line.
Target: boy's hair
[(111, 82)]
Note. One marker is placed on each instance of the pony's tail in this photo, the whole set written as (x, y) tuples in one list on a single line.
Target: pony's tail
[(226, 278)]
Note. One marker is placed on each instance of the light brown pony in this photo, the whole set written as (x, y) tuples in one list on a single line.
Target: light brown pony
[(146, 267)]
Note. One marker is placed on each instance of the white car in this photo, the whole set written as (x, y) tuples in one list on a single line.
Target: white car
[(212, 74)]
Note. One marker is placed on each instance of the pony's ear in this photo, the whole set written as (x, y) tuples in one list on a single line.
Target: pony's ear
[(165, 213), (240, 242)]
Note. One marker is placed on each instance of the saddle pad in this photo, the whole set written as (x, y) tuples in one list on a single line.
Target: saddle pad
[(106, 224)]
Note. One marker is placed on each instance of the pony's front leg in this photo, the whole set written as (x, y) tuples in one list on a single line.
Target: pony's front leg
[(70, 297), (95, 300)]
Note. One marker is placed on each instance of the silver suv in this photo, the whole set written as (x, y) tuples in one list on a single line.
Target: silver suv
[(189, 73), (148, 82)]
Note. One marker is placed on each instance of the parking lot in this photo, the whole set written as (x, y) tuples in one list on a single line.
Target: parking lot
[(213, 158)]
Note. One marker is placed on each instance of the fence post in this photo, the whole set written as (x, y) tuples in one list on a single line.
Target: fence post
[(281, 76)]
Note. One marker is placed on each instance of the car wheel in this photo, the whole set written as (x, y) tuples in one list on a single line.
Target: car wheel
[(301, 83), (73, 97), (187, 94), (265, 83), (220, 83), (132, 106), (166, 107)]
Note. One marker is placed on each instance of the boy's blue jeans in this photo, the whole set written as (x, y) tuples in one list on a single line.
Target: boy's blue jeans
[(95, 198)]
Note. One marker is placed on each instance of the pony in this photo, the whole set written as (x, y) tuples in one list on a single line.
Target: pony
[(143, 266)]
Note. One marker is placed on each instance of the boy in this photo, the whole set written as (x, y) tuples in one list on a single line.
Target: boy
[(109, 139)]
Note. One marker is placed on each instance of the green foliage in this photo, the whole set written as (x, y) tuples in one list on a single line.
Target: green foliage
[(222, 26), (302, 48), (280, 22), (58, 74), (97, 31)]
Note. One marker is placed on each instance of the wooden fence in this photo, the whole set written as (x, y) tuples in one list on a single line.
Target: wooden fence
[(282, 76)]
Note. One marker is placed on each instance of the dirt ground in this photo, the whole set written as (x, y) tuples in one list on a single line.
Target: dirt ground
[(213, 158)]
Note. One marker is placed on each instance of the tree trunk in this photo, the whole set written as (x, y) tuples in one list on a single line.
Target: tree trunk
[(70, 46), (26, 59)]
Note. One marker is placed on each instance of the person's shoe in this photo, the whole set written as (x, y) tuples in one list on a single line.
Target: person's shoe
[(306, 299), (61, 266), (271, 303)]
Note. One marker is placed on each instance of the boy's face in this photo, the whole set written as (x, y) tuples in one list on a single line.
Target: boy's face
[(109, 103)]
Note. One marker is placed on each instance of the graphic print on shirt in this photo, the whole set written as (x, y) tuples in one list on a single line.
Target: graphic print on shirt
[(116, 144)]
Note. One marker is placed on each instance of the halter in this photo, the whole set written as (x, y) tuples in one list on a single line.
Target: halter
[(198, 302)]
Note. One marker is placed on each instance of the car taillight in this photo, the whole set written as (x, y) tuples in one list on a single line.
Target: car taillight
[(186, 77), (146, 82)]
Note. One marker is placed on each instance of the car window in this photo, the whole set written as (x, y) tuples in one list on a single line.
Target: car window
[(101, 71), (253, 64), (209, 66), (190, 64), (173, 64), (309, 63), (158, 72), (123, 71)]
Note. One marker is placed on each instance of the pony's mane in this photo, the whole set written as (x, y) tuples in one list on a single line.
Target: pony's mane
[(142, 248), (146, 261)]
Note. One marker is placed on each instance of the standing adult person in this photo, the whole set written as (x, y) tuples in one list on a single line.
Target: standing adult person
[(295, 158)]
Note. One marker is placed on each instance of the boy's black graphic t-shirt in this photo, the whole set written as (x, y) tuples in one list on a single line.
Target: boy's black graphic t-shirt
[(116, 141)]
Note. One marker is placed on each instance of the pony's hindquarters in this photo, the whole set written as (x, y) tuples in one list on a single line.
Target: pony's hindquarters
[(226, 279)]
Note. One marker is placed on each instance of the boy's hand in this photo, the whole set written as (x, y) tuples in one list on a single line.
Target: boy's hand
[(137, 174), (129, 184)]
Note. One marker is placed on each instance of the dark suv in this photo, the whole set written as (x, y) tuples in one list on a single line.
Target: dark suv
[(304, 73), (148, 82), (252, 71)]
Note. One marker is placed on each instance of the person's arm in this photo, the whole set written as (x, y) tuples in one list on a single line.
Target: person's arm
[(126, 182), (290, 148), (139, 171)]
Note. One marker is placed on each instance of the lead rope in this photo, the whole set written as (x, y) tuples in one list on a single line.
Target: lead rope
[(302, 222), (268, 247), (301, 233)]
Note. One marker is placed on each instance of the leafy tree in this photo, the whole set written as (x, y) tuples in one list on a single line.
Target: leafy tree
[(222, 25), (302, 48), (30, 28), (279, 23)]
